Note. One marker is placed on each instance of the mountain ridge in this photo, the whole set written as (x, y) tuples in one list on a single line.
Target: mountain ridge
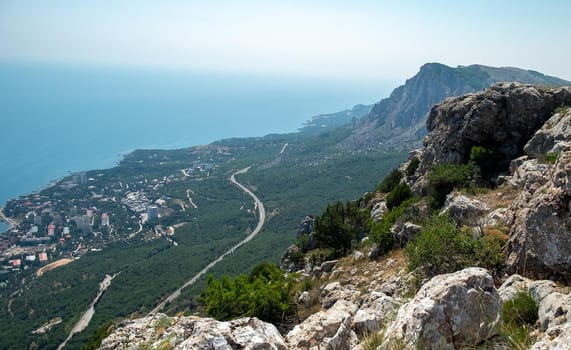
[(400, 119)]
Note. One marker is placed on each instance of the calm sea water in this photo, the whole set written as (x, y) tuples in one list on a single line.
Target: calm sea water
[(56, 119)]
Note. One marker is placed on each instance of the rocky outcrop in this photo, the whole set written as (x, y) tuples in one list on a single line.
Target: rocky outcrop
[(503, 117), (552, 135), (378, 210), (326, 329), (464, 210), (161, 331), (449, 312), (405, 232), (375, 311), (512, 286), (528, 174), (540, 238)]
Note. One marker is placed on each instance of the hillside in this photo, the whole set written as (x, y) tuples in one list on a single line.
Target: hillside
[(201, 215), (399, 120), (469, 247)]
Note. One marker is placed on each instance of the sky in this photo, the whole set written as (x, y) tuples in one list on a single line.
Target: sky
[(358, 40)]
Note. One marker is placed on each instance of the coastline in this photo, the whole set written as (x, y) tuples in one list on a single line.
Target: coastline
[(10, 222)]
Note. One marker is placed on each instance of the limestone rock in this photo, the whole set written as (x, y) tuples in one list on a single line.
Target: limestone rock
[(551, 136), (379, 210), (403, 233), (326, 329), (556, 338), (540, 239), (306, 226), (373, 252), (327, 266), (450, 311), (194, 333), (373, 314), (358, 255), (512, 286), (529, 174), (506, 116), (496, 217), (464, 210), (334, 291)]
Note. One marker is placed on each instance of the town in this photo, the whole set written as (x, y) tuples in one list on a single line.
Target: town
[(86, 211)]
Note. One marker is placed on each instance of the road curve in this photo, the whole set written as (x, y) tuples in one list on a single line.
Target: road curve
[(261, 220)]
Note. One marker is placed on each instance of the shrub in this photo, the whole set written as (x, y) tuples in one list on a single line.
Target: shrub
[(398, 195), (486, 159), (520, 310), (443, 248), (444, 178), (381, 231), (412, 166), (390, 181), (264, 293), (519, 314), (339, 225)]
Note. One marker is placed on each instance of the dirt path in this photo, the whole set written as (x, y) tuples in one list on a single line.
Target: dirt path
[(262, 218), (54, 265), (86, 318)]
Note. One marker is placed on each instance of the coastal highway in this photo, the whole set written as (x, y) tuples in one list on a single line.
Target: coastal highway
[(262, 218)]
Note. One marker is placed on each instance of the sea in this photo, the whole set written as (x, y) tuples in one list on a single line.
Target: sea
[(59, 119)]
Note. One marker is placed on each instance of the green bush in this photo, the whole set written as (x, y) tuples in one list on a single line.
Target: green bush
[(398, 195), (520, 310), (486, 159), (390, 181), (381, 231), (264, 293), (444, 178), (441, 248), (412, 166), (519, 315), (339, 225)]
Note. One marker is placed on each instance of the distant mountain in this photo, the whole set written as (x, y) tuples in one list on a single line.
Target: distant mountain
[(325, 122), (398, 121)]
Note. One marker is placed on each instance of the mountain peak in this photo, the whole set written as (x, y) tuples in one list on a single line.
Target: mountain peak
[(399, 120)]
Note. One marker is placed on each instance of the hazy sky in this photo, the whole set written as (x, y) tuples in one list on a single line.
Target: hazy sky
[(343, 39)]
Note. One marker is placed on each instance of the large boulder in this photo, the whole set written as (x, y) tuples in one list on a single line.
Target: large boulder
[(334, 291), (552, 135), (540, 239), (326, 329), (450, 311), (554, 313), (160, 331), (464, 210), (405, 232), (514, 285), (528, 174), (377, 309), (378, 210)]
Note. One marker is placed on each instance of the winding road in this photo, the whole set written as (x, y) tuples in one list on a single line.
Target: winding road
[(261, 220)]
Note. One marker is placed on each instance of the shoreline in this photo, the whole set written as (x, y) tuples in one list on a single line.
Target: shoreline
[(10, 222)]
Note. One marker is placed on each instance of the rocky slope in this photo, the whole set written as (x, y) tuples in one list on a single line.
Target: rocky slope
[(399, 120), (364, 301)]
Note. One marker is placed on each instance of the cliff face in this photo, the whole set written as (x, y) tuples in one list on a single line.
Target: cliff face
[(399, 120)]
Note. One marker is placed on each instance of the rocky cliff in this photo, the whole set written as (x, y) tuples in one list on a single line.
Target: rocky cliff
[(400, 119)]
